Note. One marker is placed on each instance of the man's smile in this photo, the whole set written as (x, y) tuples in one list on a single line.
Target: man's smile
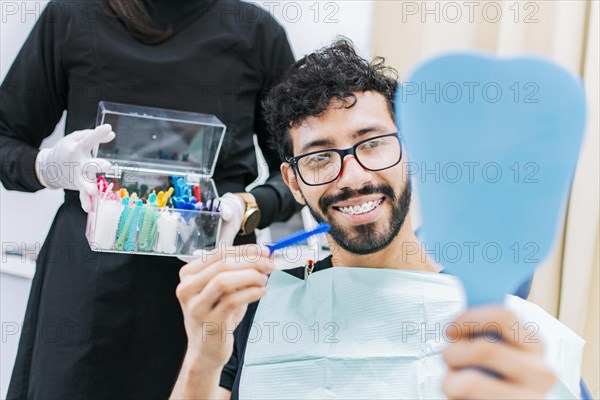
[(360, 210)]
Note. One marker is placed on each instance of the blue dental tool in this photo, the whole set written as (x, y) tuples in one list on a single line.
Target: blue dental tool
[(298, 237)]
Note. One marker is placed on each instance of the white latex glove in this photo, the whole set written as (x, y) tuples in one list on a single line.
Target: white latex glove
[(69, 163), (232, 214)]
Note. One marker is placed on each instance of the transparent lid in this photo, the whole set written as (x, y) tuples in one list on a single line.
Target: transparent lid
[(156, 138)]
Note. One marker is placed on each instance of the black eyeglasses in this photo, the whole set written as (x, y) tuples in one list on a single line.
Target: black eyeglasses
[(324, 166)]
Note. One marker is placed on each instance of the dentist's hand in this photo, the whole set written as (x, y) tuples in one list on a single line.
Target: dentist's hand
[(232, 209), (214, 294), (70, 165), (515, 356)]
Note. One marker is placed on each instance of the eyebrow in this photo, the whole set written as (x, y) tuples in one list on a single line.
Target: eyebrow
[(328, 142), (373, 128)]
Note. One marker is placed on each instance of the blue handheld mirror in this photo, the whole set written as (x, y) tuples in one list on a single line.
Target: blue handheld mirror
[(492, 146)]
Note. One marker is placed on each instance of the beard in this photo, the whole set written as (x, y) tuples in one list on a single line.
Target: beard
[(366, 238)]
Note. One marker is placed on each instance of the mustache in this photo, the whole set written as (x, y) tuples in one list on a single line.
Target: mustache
[(347, 194)]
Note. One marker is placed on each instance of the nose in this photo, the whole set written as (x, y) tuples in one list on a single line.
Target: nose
[(352, 175)]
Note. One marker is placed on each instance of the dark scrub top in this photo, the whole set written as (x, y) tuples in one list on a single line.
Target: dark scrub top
[(102, 325)]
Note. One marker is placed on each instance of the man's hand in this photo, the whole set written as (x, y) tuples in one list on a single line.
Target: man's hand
[(214, 294), (515, 356)]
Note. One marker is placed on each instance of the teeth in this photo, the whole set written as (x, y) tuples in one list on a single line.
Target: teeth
[(360, 209)]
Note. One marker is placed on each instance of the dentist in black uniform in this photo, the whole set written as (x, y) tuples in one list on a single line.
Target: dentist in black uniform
[(109, 326)]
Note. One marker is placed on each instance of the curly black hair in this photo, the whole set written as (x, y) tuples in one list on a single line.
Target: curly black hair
[(309, 86)]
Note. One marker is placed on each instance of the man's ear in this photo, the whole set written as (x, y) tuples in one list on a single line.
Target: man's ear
[(289, 177)]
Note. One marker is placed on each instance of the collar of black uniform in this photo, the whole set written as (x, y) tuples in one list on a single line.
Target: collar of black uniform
[(178, 14)]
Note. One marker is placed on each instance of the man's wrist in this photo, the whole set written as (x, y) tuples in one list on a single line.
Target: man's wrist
[(197, 363), (197, 379)]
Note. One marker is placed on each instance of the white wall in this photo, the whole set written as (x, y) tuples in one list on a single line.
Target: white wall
[(311, 24)]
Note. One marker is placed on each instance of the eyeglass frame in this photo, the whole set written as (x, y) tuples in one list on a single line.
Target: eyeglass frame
[(293, 161)]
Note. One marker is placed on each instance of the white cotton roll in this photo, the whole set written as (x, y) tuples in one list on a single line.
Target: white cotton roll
[(107, 222), (167, 233)]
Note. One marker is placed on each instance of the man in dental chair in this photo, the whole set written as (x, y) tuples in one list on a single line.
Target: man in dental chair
[(332, 121)]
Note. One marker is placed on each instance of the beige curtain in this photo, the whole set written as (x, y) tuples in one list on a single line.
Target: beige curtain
[(406, 32)]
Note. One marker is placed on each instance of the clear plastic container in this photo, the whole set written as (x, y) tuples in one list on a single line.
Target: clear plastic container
[(159, 197)]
